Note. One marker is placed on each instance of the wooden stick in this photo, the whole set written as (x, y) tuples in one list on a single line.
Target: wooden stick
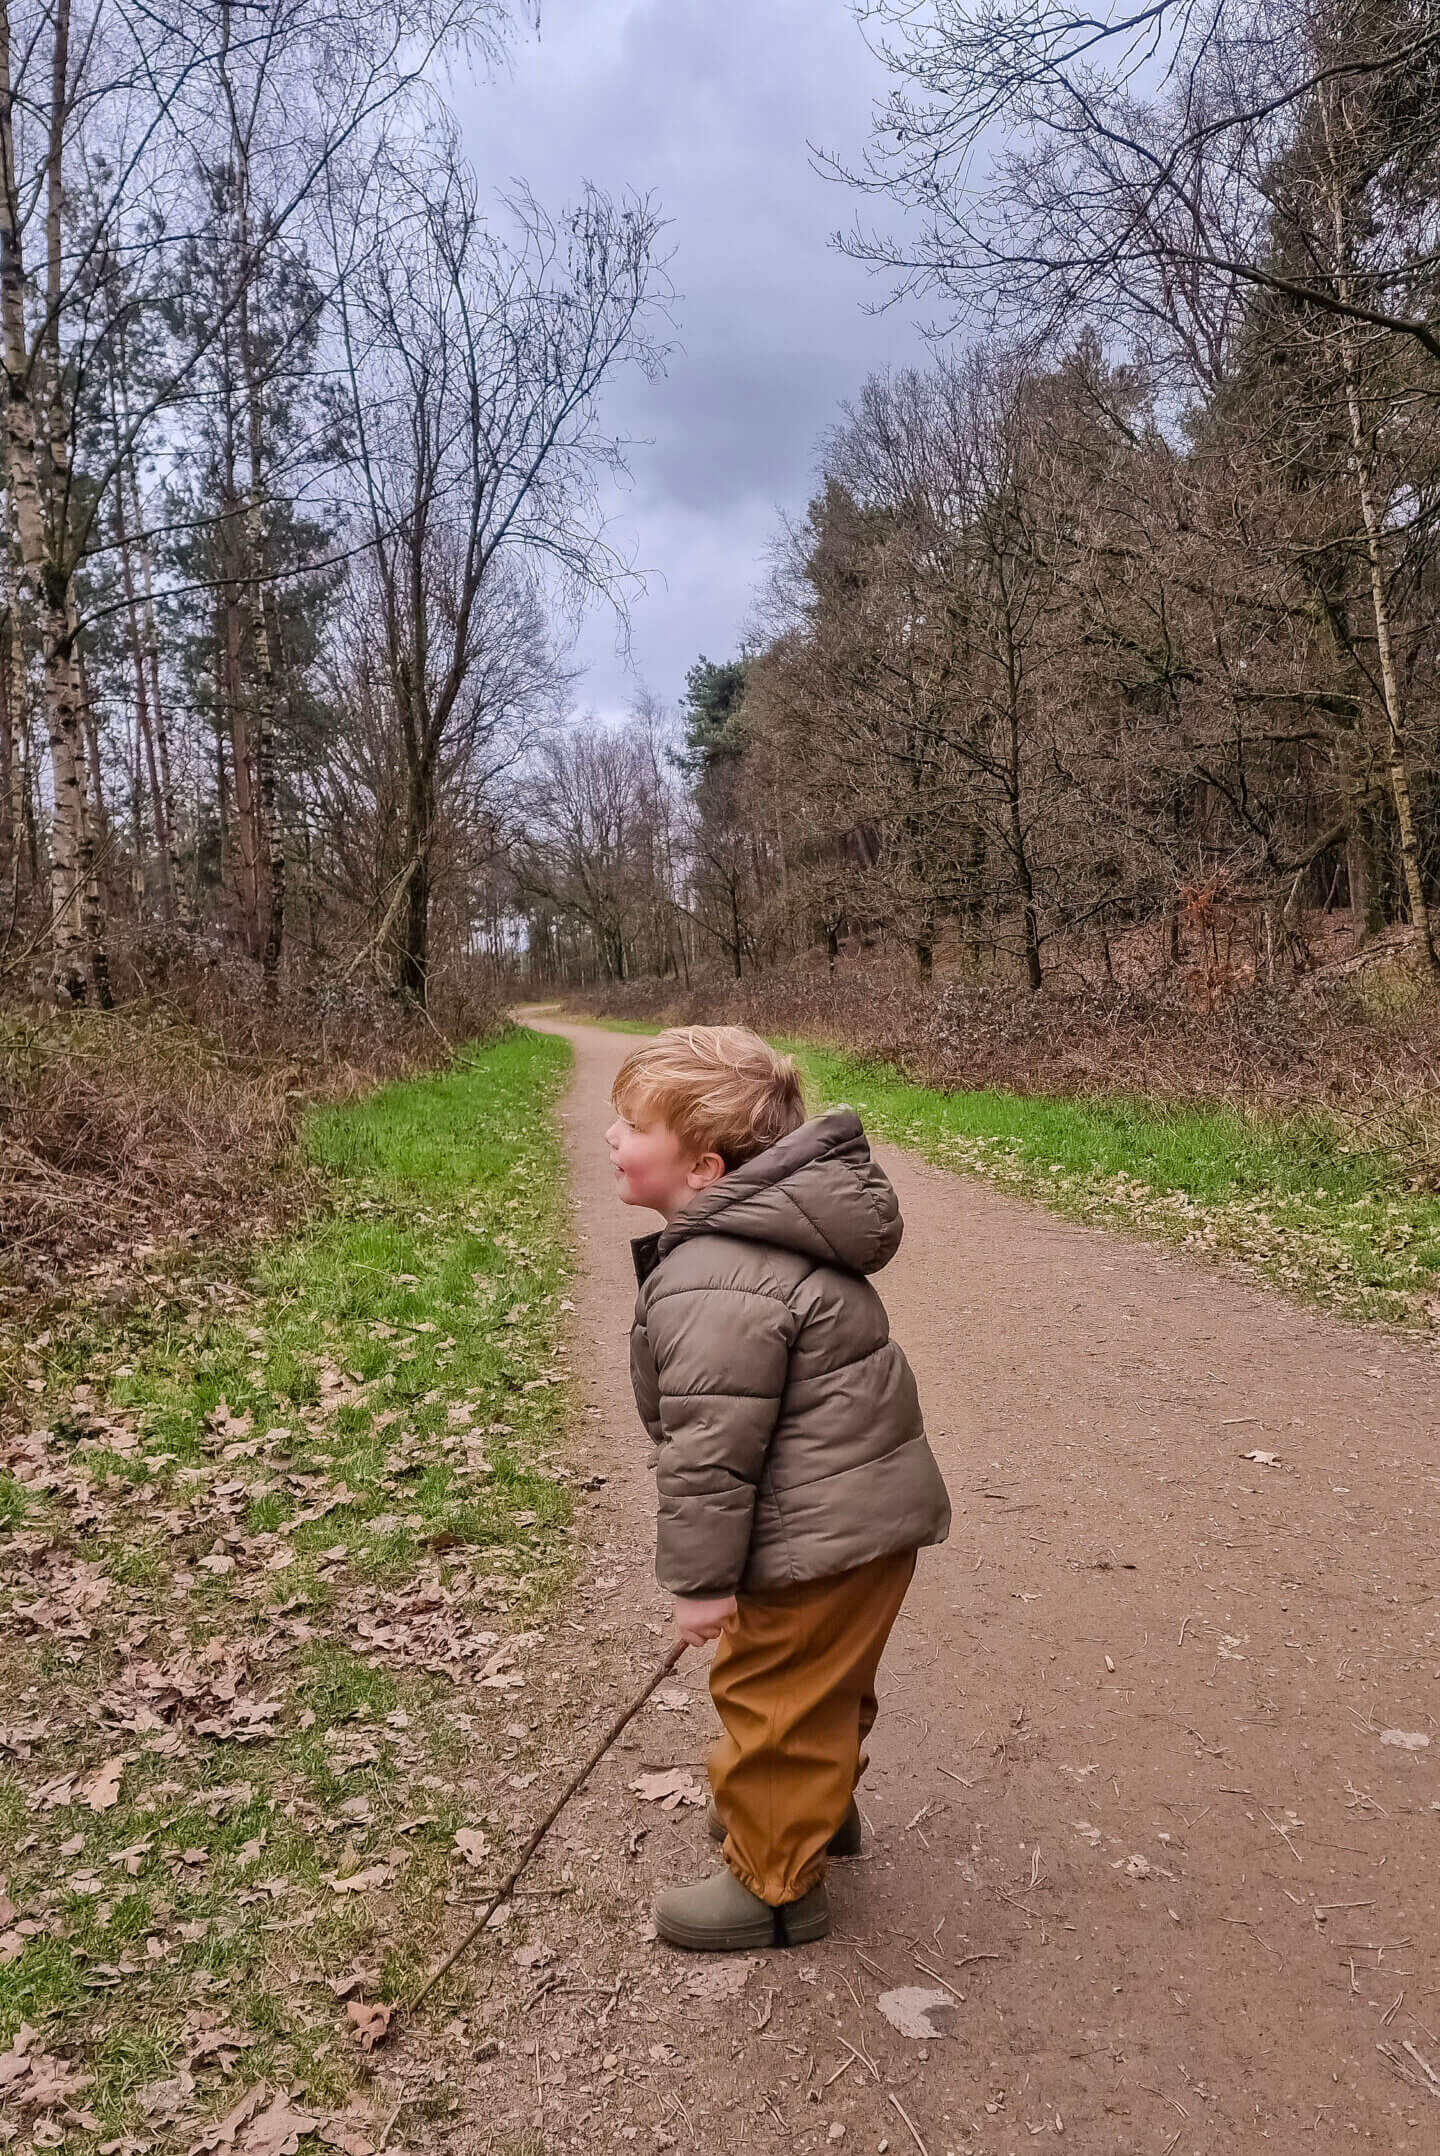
[(507, 1886)]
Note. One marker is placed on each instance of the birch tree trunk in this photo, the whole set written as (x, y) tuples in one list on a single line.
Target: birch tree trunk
[(76, 923), (270, 841), (1362, 464), (1397, 748), (144, 659), (272, 835), (175, 881)]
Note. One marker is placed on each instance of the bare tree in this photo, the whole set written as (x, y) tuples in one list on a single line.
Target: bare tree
[(107, 109), (475, 366), (1124, 165)]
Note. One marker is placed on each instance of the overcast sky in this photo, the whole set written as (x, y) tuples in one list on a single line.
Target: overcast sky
[(709, 105)]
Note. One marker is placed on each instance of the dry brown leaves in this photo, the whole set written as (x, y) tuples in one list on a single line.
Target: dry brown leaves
[(73, 1590), (213, 1693), (369, 2020), (98, 1789), (263, 2123), (669, 1788), (34, 2080)]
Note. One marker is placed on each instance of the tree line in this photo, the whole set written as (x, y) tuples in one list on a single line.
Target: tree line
[(1118, 617), (301, 458), (1122, 615)]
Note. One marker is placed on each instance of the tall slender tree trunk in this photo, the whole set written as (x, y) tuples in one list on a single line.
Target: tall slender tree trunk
[(1362, 873), (175, 882), (144, 731), (9, 782), (146, 716), (1397, 747), (1025, 886), (244, 850), (1019, 849), (1362, 464), (41, 538), (419, 838), (272, 837), (222, 781), (92, 904), (14, 727)]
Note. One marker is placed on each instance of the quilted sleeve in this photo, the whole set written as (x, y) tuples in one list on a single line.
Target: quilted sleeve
[(645, 1381), (721, 1356)]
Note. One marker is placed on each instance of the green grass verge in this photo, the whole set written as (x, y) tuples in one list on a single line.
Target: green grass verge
[(264, 1546), (1290, 1197), (1285, 1195)]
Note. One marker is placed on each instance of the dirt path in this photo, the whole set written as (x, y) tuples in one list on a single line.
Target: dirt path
[(1139, 1796)]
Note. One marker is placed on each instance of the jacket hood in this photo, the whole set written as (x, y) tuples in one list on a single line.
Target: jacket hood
[(816, 1191)]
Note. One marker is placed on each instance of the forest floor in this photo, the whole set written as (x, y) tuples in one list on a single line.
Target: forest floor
[(273, 1533), (299, 1635)]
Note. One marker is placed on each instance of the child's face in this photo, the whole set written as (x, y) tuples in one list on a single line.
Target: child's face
[(653, 1168)]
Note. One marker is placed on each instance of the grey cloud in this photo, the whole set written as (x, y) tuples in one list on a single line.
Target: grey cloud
[(709, 107)]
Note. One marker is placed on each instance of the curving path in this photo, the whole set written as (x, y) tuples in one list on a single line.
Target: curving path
[(1139, 1796)]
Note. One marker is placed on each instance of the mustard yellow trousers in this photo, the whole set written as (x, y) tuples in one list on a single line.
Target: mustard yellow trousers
[(793, 1681)]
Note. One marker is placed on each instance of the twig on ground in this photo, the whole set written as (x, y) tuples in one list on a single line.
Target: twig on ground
[(863, 2056), (577, 1781), (914, 2129), (1284, 1836), (1432, 2079)]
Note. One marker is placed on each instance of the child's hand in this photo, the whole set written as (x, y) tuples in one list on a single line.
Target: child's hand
[(699, 1618)]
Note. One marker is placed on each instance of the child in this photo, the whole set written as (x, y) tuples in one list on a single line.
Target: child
[(795, 1482)]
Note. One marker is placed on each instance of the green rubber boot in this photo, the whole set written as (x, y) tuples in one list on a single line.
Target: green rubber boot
[(844, 1842), (806, 1919), (716, 1916), (720, 1916)]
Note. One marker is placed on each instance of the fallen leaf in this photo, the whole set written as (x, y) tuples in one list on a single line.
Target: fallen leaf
[(277, 2130), (1406, 1740), (163, 2101), (33, 2080), (917, 2013), (369, 2020), (102, 1788), (718, 1980), (1262, 1459), (375, 1875), (133, 1857), (473, 1845), (348, 2135), (670, 1788)]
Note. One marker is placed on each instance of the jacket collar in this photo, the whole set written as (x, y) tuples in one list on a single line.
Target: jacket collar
[(645, 1250)]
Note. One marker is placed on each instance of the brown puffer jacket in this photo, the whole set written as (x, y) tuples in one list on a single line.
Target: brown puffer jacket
[(791, 1440)]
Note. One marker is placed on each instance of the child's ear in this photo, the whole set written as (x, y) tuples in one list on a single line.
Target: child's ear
[(708, 1169)]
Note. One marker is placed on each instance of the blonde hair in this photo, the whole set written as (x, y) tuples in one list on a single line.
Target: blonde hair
[(721, 1089)]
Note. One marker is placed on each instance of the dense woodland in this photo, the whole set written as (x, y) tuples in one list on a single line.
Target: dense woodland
[(302, 448), (1109, 639)]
